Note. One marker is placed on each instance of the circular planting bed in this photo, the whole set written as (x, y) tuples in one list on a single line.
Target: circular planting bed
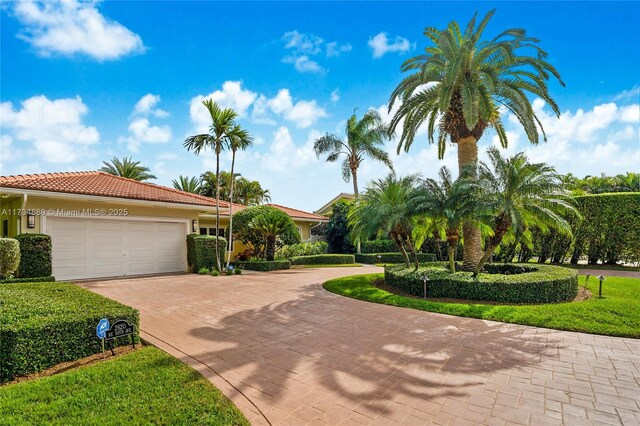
[(510, 283)]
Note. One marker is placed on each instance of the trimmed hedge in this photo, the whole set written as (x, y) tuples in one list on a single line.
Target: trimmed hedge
[(201, 251), (9, 257), (323, 259), (35, 255), (378, 246), (44, 324), (545, 284), (372, 258), (302, 249), (28, 280), (264, 265)]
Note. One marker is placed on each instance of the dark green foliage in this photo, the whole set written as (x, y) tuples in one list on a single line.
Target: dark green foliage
[(263, 265), (35, 255), (378, 246), (9, 257), (629, 182), (255, 240), (201, 251), (372, 258), (44, 324), (28, 280), (338, 230), (323, 259), (547, 284)]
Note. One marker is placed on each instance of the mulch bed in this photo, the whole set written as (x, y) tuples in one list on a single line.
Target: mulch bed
[(583, 294)]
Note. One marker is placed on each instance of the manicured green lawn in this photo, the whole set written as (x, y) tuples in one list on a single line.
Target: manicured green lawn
[(602, 267), (616, 314), (340, 265), (144, 387)]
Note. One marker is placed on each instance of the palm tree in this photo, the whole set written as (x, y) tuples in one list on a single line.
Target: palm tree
[(240, 139), (187, 184), (127, 168), (457, 87), (386, 207), (222, 125), (448, 203), (251, 193), (365, 138), (519, 194), (271, 224)]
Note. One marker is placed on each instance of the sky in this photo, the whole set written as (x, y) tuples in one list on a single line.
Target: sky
[(83, 82)]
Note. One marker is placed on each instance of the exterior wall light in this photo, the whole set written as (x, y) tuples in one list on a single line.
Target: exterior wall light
[(194, 226), (31, 221)]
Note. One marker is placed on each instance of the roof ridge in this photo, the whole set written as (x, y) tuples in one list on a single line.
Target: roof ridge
[(291, 208), (27, 176)]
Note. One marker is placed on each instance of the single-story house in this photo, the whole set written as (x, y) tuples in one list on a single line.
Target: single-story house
[(327, 209), (106, 226)]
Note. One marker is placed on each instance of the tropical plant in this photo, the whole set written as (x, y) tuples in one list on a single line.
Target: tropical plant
[(221, 131), (251, 193), (628, 182), (337, 229), (386, 207), (127, 168), (255, 240), (448, 203), (271, 225), (187, 184), (365, 138), (519, 194), (457, 87)]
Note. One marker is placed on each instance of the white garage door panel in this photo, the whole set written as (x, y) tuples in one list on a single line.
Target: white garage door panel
[(89, 248)]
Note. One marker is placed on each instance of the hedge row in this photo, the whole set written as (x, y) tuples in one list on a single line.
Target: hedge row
[(264, 265), (28, 280), (323, 259), (302, 249), (35, 255), (44, 324), (201, 251), (544, 284), (9, 257), (378, 246), (372, 258)]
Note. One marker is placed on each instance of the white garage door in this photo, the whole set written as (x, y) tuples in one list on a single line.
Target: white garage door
[(93, 248)]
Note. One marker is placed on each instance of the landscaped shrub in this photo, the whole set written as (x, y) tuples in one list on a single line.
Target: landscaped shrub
[(201, 251), (264, 265), (9, 257), (35, 255), (44, 324), (544, 284), (323, 259), (28, 280), (372, 258), (253, 237), (302, 249), (379, 246)]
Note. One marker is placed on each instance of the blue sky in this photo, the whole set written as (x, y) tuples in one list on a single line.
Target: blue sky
[(80, 83)]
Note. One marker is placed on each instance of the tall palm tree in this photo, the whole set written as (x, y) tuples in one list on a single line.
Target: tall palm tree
[(251, 193), (187, 184), (457, 87), (448, 203), (385, 207), (519, 194), (127, 168), (365, 138), (222, 125), (239, 140)]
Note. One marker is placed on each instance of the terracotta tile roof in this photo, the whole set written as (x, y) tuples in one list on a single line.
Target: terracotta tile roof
[(103, 184), (300, 214)]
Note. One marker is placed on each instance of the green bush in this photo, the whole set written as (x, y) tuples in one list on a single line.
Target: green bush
[(201, 251), (255, 240), (264, 265), (302, 249), (544, 284), (214, 273), (35, 255), (372, 258), (378, 246), (237, 271), (44, 324), (9, 257), (28, 280), (203, 271), (323, 259)]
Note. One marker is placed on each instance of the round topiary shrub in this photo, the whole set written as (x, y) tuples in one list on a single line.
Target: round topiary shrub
[(510, 283), (9, 257)]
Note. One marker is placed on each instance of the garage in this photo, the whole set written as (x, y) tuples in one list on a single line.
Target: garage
[(85, 248)]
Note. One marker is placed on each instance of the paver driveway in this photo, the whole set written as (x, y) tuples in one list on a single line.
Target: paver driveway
[(285, 351)]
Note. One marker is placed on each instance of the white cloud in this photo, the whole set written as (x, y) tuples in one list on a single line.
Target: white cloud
[(380, 44), (146, 105), (284, 155), (70, 27), (54, 128), (303, 64), (302, 43), (303, 47), (633, 93), (336, 49), (302, 113), (630, 114), (232, 95), (335, 96)]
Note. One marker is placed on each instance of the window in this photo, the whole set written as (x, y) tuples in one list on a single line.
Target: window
[(220, 233), (203, 231), (5, 228)]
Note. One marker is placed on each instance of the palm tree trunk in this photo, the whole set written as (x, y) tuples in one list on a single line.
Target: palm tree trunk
[(354, 175), (398, 241), (233, 162), (271, 247), (493, 244), (218, 203), (436, 241), (472, 247), (412, 249), (452, 245)]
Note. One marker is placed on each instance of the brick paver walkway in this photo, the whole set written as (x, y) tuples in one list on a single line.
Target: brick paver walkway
[(285, 351)]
